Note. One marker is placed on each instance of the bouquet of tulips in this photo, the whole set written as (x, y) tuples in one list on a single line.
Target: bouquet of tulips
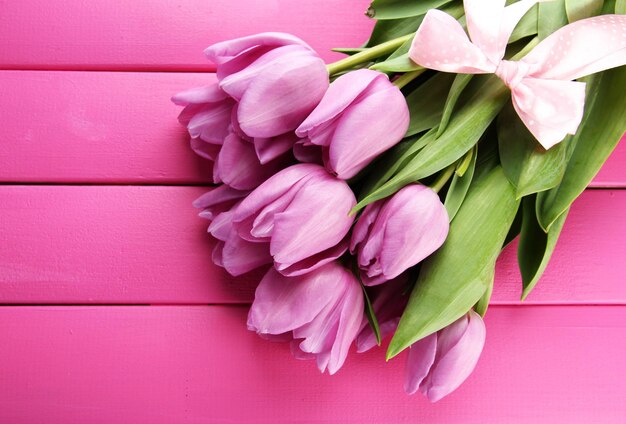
[(377, 192)]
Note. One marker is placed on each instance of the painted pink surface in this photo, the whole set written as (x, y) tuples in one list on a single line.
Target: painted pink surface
[(116, 244), (163, 35), (541, 364), (117, 127), (114, 127)]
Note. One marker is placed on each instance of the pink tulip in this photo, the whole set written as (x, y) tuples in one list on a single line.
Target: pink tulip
[(395, 234), (217, 200), (388, 302), (207, 116), (439, 363), (301, 215), (321, 311), (277, 80), (361, 115)]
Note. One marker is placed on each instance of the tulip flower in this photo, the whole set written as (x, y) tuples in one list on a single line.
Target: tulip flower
[(207, 116), (388, 303), (394, 234), (320, 310), (217, 200), (276, 79), (361, 115), (301, 214), (438, 364)]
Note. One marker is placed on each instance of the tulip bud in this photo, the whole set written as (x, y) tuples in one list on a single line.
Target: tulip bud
[(322, 310), (301, 214), (277, 80), (361, 115), (438, 364), (395, 234)]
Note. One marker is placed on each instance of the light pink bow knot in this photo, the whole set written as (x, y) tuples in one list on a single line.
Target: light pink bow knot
[(549, 103)]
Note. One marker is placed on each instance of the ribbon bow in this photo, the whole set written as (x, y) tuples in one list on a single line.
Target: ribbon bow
[(549, 103)]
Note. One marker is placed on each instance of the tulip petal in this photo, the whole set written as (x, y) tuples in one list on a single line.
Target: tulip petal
[(240, 256), (205, 150), (198, 95), (268, 149), (312, 262), (456, 361), (419, 362), (283, 304), (317, 219), (289, 89)]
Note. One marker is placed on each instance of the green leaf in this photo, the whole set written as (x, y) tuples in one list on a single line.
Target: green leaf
[(528, 166), (459, 186), (527, 26), (455, 277), (398, 64), (620, 7), (371, 316), (581, 9), (394, 9), (604, 123), (516, 228), (426, 103), (484, 100), (535, 246), (459, 84), (349, 50), (552, 16), (386, 30), (483, 303)]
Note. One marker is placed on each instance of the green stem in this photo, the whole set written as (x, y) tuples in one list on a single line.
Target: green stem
[(367, 55), (404, 79), (443, 178)]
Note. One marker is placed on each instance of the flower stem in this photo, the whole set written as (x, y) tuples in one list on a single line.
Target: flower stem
[(367, 55), (404, 79), (443, 178)]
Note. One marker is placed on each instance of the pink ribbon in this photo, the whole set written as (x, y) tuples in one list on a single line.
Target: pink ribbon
[(549, 103)]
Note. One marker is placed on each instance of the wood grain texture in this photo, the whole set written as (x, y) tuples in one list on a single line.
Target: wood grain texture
[(117, 127), (117, 244), (163, 35), (199, 364), (96, 127)]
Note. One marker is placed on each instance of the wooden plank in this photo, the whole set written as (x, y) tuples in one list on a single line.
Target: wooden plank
[(144, 244), (116, 127), (199, 364), (164, 35)]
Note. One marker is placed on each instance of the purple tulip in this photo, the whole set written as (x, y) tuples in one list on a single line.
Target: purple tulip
[(217, 200), (321, 311), (388, 302), (277, 80), (361, 115), (207, 116), (439, 363), (394, 234), (301, 215)]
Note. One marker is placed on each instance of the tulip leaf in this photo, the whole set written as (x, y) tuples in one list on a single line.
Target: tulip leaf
[(552, 16), (401, 63), (581, 9), (455, 277), (388, 30), (603, 124), (483, 303), (620, 7), (371, 316), (516, 228), (394, 9), (485, 97), (535, 245), (527, 26), (459, 186), (349, 50), (426, 103), (458, 85), (528, 166)]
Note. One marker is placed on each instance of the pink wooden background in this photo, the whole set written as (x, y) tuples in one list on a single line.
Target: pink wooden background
[(111, 309)]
